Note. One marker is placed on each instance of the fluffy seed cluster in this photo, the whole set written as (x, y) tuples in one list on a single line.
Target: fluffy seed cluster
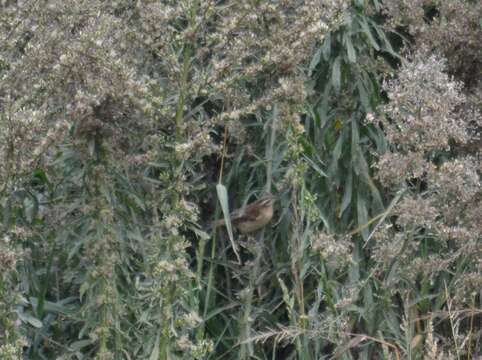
[(426, 122)]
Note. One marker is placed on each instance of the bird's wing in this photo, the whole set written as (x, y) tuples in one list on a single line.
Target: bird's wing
[(245, 214)]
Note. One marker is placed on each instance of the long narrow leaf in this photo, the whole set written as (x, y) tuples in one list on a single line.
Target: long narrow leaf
[(223, 200)]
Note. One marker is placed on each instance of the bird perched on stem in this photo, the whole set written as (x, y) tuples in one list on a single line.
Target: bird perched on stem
[(252, 217)]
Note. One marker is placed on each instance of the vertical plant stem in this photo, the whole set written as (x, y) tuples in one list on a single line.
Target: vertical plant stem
[(269, 150), (246, 348), (296, 269), (182, 92)]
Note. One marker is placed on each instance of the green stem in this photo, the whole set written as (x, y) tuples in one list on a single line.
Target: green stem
[(246, 350), (183, 89)]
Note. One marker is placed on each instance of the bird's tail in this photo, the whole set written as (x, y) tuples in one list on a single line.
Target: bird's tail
[(217, 223)]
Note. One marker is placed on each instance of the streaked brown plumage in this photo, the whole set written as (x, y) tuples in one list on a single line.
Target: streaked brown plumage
[(252, 217)]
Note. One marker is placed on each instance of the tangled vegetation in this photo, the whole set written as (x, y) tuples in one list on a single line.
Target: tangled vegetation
[(127, 127)]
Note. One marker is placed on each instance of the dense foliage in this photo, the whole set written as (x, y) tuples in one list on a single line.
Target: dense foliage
[(127, 127)]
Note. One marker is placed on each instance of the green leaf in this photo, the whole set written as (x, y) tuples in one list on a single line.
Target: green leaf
[(32, 320), (336, 74), (347, 194), (156, 350), (314, 166), (326, 222), (78, 345), (137, 200), (350, 49), (40, 176), (83, 289), (31, 206), (326, 47), (92, 146), (223, 200), (355, 146), (201, 234), (286, 294), (307, 146), (377, 5), (368, 33), (314, 61), (363, 95), (392, 322), (338, 147), (59, 307), (388, 45), (362, 214), (315, 116), (217, 311), (386, 213)]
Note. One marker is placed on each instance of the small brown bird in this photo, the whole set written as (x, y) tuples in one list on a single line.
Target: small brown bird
[(252, 217)]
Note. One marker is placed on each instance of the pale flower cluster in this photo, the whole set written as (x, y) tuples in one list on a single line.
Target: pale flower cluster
[(168, 272), (427, 125), (423, 104), (452, 27), (416, 212), (337, 252)]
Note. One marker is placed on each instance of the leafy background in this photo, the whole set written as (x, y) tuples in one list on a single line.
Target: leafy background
[(127, 126)]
